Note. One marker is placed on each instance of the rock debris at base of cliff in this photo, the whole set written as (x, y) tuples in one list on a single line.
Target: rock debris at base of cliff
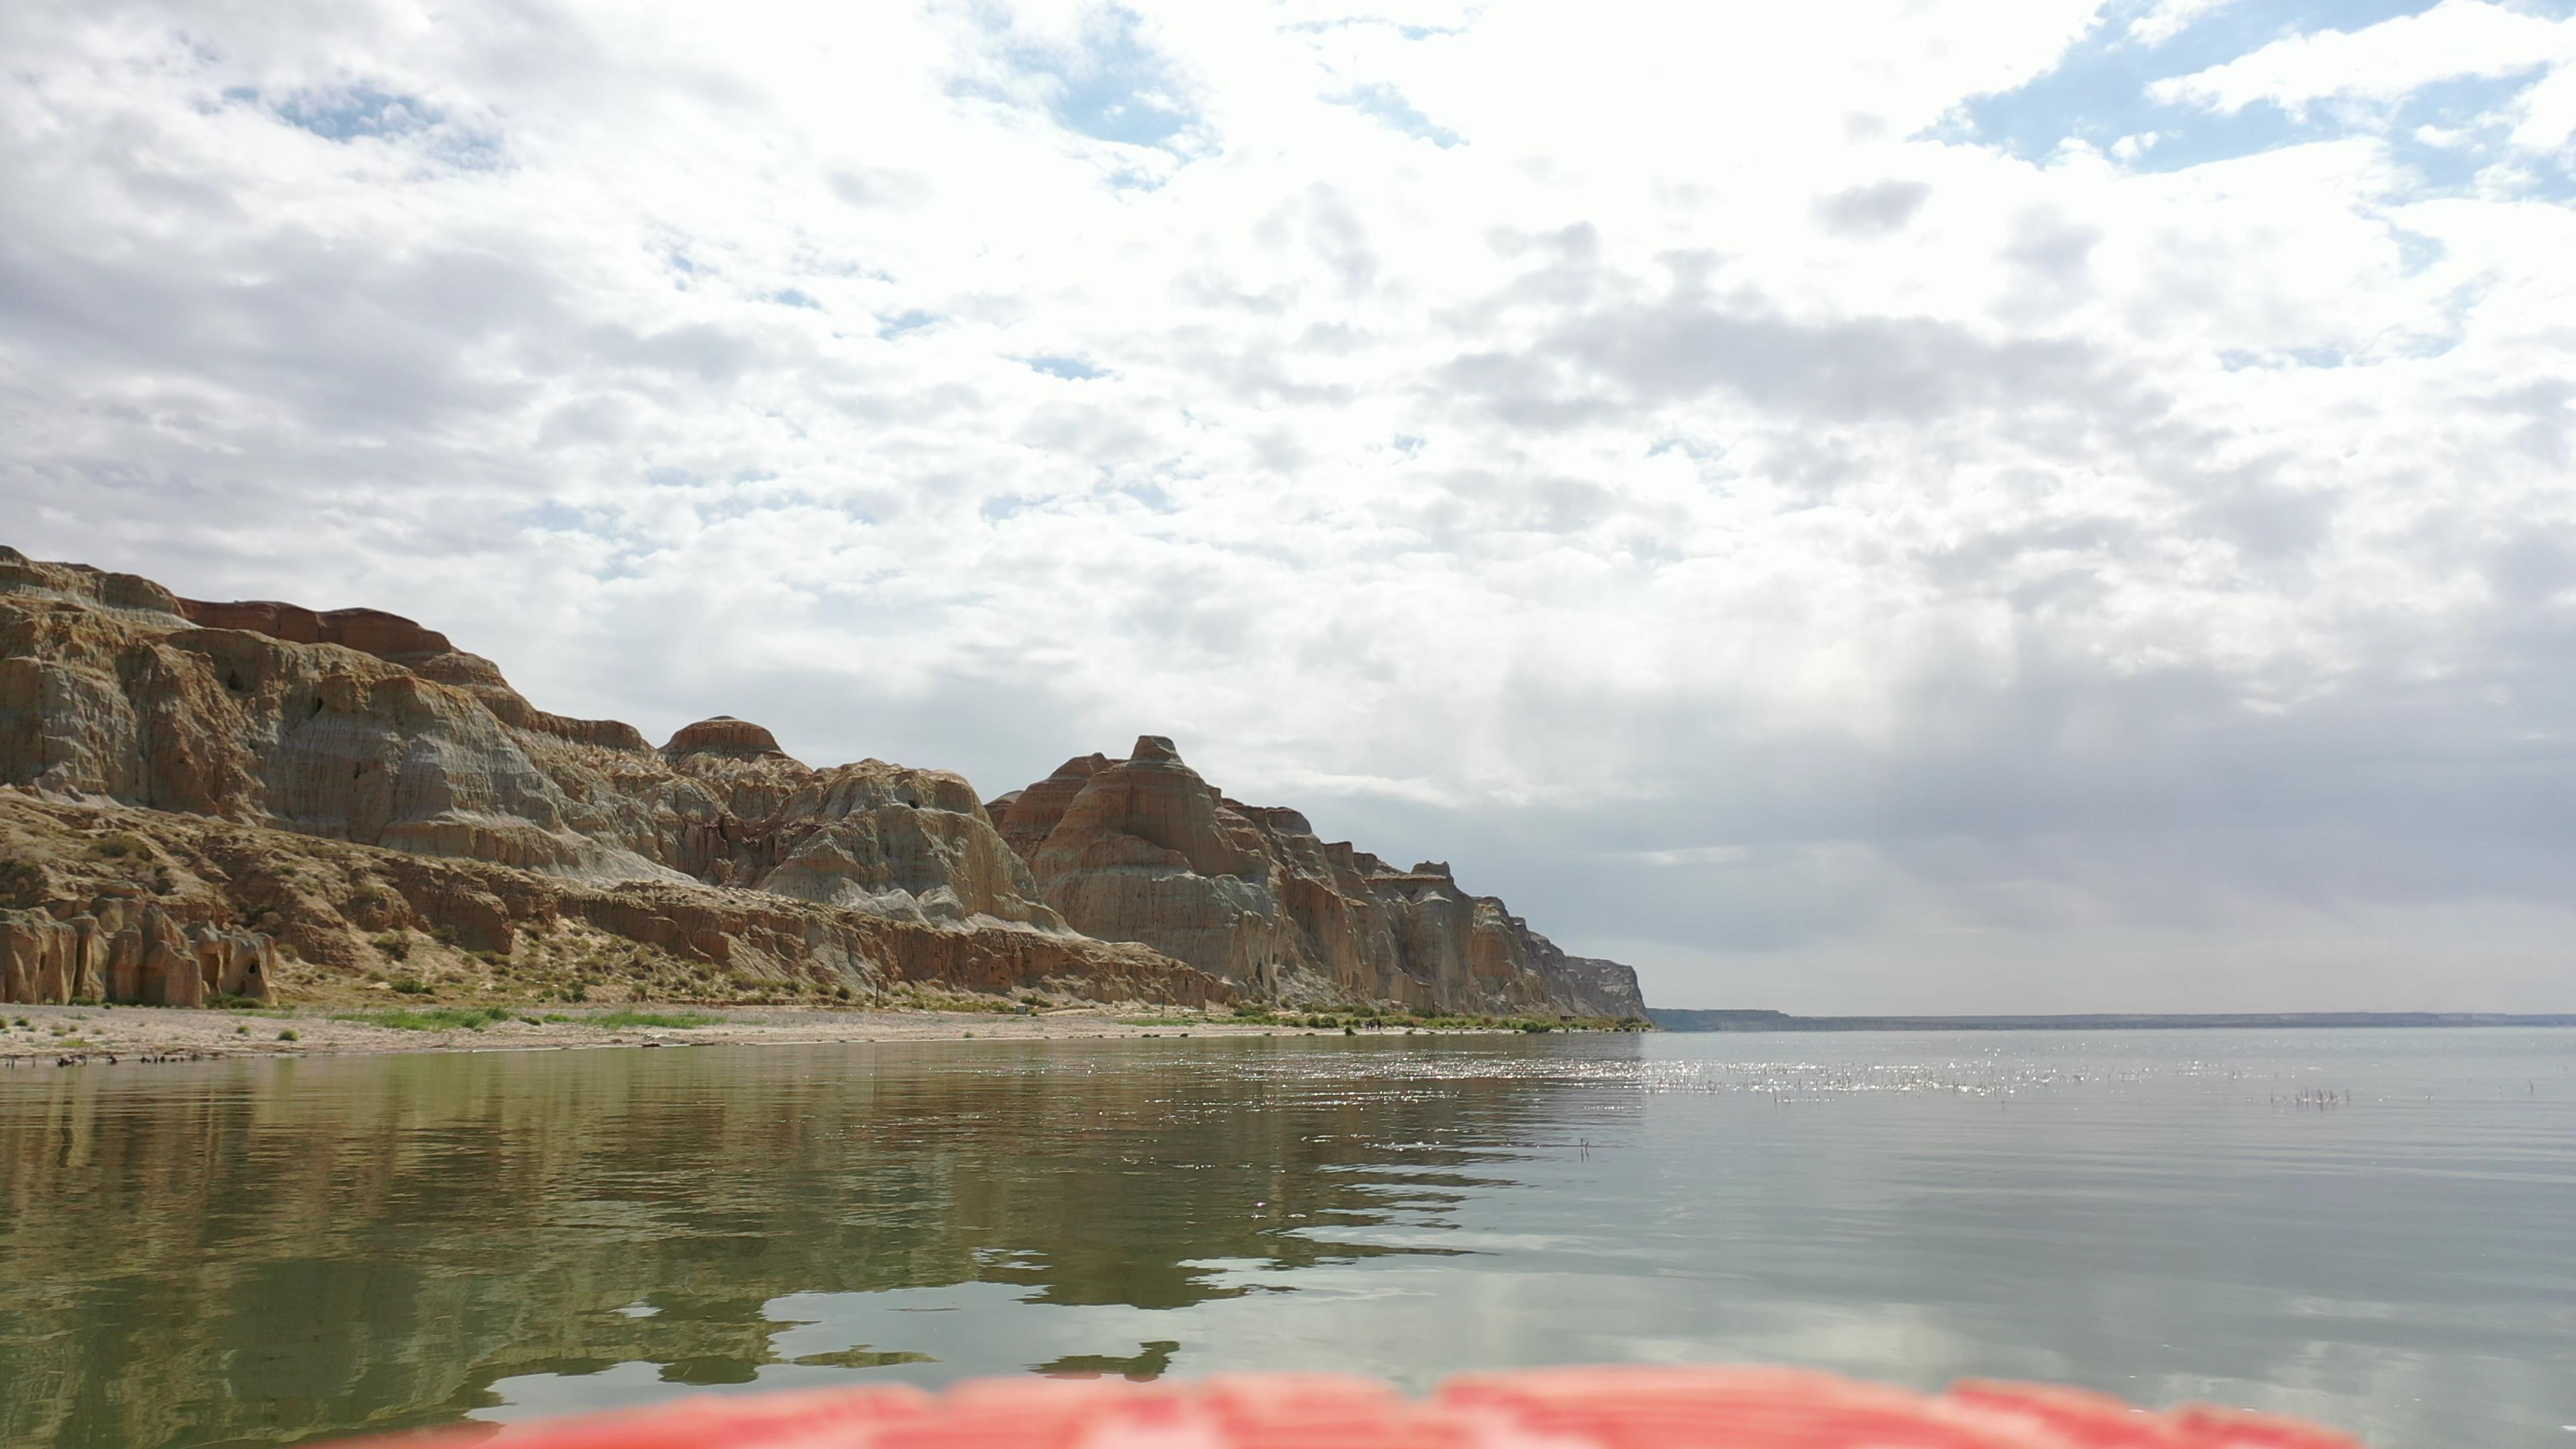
[(203, 801)]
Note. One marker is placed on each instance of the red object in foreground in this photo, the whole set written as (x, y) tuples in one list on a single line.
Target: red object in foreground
[(1573, 1408)]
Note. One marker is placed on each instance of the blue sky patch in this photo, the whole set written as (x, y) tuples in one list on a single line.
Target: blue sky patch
[(2100, 93), (350, 114), (1409, 32), (1387, 106), (1071, 368), (1110, 85), (360, 113)]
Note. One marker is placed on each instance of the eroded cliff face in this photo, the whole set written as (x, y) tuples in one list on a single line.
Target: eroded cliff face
[(357, 725), (1145, 850), (362, 727)]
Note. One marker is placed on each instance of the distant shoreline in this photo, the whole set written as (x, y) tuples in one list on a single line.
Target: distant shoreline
[(1676, 1020), (101, 1035)]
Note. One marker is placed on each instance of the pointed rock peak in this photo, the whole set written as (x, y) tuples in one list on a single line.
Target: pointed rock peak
[(723, 735), (1432, 867), (1082, 767), (1155, 747)]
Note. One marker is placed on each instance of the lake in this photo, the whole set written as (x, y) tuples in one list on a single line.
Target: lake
[(2376, 1229)]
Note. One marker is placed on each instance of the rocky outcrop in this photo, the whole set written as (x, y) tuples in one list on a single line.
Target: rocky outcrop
[(1145, 850), (100, 901), (1610, 985), (361, 727), (358, 725), (118, 948), (726, 738)]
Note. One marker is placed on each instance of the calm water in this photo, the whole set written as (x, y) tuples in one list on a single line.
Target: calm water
[(260, 1252)]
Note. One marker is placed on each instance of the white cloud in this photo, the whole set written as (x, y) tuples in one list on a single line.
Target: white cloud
[(2547, 120), (2169, 18), (2382, 62), (1903, 547)]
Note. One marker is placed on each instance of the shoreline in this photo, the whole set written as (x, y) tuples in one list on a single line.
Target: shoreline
[(58, 1035)]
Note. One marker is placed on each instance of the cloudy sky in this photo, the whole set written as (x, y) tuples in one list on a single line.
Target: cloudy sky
[(1885, 505)]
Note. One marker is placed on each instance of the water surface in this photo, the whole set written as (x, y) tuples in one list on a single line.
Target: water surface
[(2372, 1228)]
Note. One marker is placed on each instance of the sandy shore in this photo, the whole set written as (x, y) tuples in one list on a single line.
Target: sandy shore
[(51, 1035)]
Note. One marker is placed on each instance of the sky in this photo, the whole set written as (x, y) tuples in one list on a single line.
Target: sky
[(1893, 505)]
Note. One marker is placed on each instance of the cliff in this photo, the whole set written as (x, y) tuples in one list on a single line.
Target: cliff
[(360, 727), (1145, 850), (292, 726)]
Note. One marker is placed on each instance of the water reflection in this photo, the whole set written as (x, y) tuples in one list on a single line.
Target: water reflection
[(262, 1252), (265, 1250)]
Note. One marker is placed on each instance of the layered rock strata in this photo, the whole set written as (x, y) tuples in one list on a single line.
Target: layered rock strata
[(1144, 850), (1125, 880), (363, 727), (101, 901)]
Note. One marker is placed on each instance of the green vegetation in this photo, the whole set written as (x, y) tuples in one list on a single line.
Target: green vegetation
[(119, 845), (674, 1020), (22, 882), (290, 1034), (430, 1018)]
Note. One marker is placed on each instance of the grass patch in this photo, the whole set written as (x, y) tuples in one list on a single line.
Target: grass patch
[(22, 883), (430, 1018), (672, 1020), (120, 845)]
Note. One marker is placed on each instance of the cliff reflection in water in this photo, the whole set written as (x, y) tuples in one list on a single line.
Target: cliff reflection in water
[(259, 1252)]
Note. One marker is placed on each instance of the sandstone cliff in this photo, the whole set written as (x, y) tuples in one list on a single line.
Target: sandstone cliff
[(360, 727), (1145, 850), (103, 901)]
